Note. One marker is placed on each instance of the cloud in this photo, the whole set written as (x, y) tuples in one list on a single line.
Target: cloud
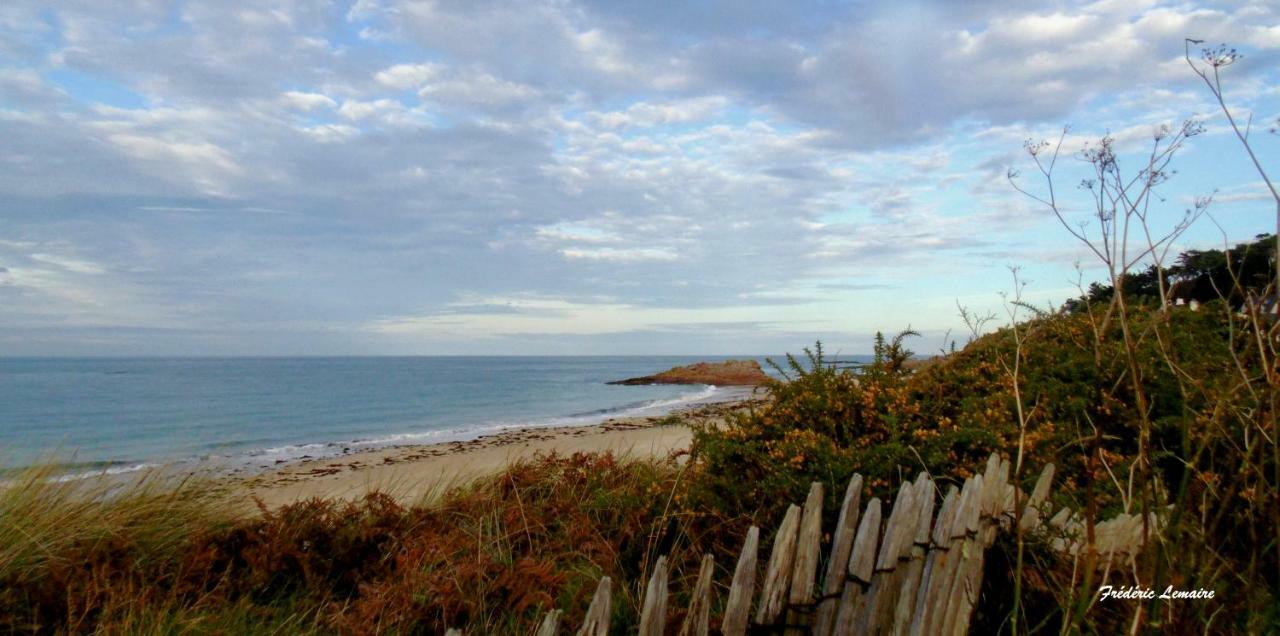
[(408, 76), (645, 114), (633, 255), (69, 264), (307, 101), (392, 158)]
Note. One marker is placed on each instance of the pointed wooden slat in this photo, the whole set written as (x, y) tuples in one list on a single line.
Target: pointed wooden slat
[(991, 478), (841, 544), (653, 616), (941, 535), (808, 552), (969, 579), (596, 622), (992, 491), (974, 509), (950, 563), (933, 568), (898, 530), (1060, 519), (550, 624), (958, 522), (913, 570), (899, 534), (698, 620), (963, 591), (997, 479), (738, 607), (777, 578), (1006, 508), (963, 551), (924, 490), (862, 559), (1031, 512), (808, 548)]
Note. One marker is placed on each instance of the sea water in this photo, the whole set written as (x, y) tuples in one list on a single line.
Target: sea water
[(116, 415)]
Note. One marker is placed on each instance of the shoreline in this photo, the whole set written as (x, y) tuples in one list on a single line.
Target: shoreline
[(415, 472), (246, 464)]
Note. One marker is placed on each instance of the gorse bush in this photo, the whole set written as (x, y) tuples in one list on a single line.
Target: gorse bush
[(824, 424)]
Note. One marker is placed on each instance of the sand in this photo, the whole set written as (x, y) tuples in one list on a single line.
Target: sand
[(416, 473)]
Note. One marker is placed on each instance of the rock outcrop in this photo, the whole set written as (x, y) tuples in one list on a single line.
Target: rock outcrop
[(727, 373)]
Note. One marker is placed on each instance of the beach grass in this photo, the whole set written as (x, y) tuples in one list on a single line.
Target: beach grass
[(158, 555)]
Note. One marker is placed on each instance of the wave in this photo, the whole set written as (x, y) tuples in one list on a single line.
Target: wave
[(75, 471), (123, 469), (268, 457)]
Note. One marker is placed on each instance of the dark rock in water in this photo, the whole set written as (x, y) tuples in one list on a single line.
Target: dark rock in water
[(727, 373)]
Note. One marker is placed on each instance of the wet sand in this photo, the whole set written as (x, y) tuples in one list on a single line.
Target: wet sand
[(414, 473)]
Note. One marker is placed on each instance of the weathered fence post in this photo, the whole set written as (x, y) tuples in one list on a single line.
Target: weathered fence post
[(550, 624), (596, 622), (653, 615), (737, 608), (964, 541), (841, 544), (898, 532), (935, 563), (773, 596), (698, 620), (1031, 511), (913, 576), (808, 552), (862, 559)]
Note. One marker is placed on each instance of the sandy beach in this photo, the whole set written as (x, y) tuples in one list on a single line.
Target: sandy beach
[(411, 473)]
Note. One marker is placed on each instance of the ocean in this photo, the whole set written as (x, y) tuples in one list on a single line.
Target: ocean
[(117, 415)]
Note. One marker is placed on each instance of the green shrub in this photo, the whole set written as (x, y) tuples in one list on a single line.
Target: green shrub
[(825, 424)]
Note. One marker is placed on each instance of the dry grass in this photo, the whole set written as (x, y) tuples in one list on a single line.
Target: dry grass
[(164, 556)]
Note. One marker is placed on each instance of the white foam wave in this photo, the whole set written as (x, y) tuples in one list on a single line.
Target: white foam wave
[(104, 472), (268, 457)]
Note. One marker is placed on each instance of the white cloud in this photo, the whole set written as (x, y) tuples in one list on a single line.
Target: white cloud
[(356, 109), (408, 76), (201, 162), (647, 114), (621, 255), (307, 101), (70, 264), (531, 315), (476, 89)]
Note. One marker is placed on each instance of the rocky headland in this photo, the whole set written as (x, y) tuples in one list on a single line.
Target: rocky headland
[(727, 373)]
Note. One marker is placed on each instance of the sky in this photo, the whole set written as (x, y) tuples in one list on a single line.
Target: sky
[(423, 177)]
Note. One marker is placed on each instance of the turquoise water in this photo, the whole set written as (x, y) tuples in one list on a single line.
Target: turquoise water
[(117, 415)]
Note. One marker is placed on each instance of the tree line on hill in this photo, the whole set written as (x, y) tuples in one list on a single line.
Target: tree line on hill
[(1195, 275)]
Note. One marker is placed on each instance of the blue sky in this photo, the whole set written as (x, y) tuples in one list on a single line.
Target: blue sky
[(435, 177)]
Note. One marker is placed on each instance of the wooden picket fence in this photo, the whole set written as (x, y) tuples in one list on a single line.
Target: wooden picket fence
[(914, 573)]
